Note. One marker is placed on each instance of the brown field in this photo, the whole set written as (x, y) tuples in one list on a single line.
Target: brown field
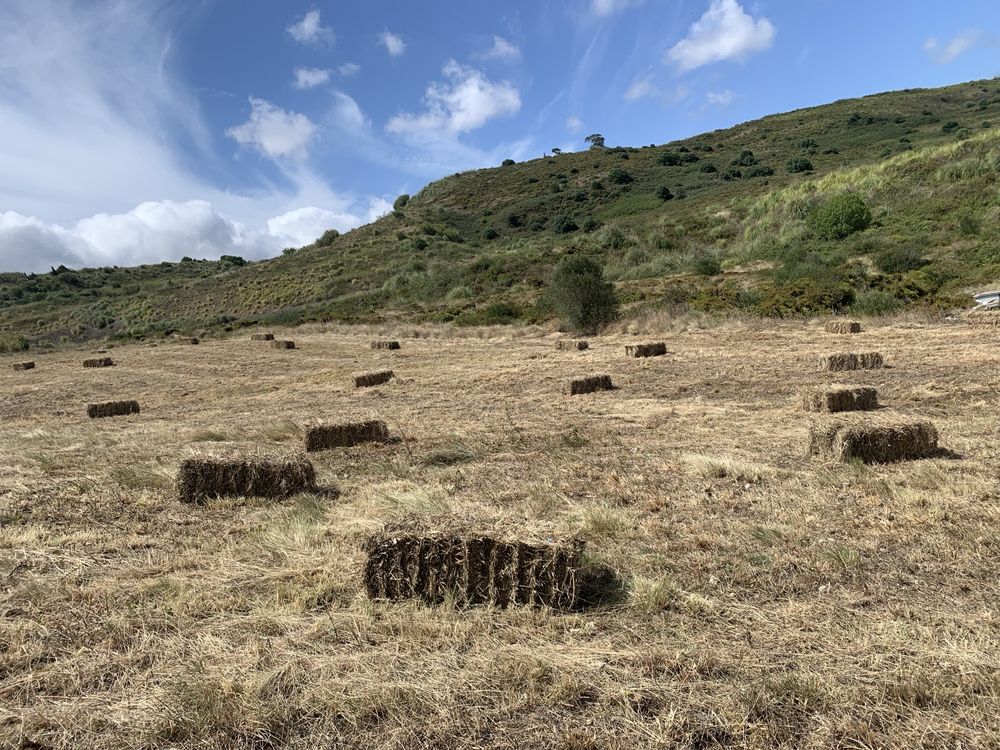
[(764, 599)]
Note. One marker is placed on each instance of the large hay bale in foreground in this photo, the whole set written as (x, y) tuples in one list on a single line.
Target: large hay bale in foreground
[(391, 345), (842, 326), (476, 570), (325, 437), (278, 344), (590, 384), (112, 409), (572, 345), (22, 366), (657, 349), (844, 362), (873, 442), (838, 399), (201, 479), (262, 337), (99, 362), (369, 379)]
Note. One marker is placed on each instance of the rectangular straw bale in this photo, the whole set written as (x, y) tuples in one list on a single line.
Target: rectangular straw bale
[(112, 409), (840, 399), (99, 362), (572, 345), (983, 318), (477, 570), (201, 479), (657, 349), (874, 443), (842, 326), (262, 337), (842, 362), (368, 379), (590, 384), (188, 340), (325, 437), (22, 366), (277, 344), (392, 345)]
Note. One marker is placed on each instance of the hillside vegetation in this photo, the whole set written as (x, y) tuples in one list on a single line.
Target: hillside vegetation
[(863, 205)]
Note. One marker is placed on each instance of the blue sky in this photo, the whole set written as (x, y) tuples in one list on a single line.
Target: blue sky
[(143, 130)]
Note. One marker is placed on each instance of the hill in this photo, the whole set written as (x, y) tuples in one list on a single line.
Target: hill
[(732, 219)]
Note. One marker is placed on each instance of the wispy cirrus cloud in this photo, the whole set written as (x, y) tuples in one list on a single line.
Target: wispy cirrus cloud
[(610, 7), (944, 52)]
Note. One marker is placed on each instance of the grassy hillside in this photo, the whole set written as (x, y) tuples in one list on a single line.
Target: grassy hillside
[(720, 221)]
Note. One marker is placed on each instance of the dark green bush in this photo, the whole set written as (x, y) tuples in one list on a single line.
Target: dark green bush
[(800, 165), (669, 159), (564, 225), (745, 159), (10, 344), (950, 127), (706, 264), (758, 170), (968, 226), (328, 237), (591, 224), (231, 261), (840, 216), (619, 176), (508, 163), (875, 302), (804, 296), (401, 202), (709, 168), (664, 194), (899, 260), (490, 233), (580, 295)]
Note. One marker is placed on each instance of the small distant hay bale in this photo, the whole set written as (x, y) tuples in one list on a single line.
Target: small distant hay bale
[(657, 349), (392, 345), (874, 443), (843, 362), (982, 318), (99, 362), (262, 337), (112, 409), (279, 344), (201, 479), (840, 399), (22, 366), (842, 326), (369, 379), (476, 570), (188, 340), (325, 437), (590, 384), (572, 345)]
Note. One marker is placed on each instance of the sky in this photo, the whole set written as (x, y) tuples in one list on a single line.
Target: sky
[(138, 131)]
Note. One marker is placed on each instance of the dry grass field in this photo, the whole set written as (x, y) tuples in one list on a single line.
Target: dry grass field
[(761, 598)]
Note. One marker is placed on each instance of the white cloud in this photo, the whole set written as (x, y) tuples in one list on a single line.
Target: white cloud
[(274, 132), (310, 30), (574, 124), (348, 70), (725, 32), (466, 101), (393, 43), (347, 115), (309, 78), (639, 89), (502, 50), (946, 52), (720, 98), (304, 225), (610, 7)]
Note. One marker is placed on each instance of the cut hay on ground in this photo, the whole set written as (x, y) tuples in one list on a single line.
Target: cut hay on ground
[(840, 399), (472, 571), (325, 437), (572, 345), (874, 442), (843, 362), (112, 409), (99, 362), (982, 318), (201, 479), (657, 349), (590, 384), (276, 344), (393, 345), (262, 337), (22, 366), (368, 379), (842, 326)]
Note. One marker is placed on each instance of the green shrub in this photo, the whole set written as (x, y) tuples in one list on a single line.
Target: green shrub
[(564, 225), (950, 127), (745, 159), (840, 216), (619, 176), (10, 344), (804, 296), (580, 295), (401, 202), (515, 220), (709, 168), (875, 302), (328, 237), (800, 164), (664, 194), (490, 233), (706, 264), (758, 170), (669, 159), (591, 224), (968, 226), (899, 260), (508, 163), (231, 261)]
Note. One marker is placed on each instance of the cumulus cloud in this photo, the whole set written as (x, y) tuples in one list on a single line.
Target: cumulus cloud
[(348, 70), (945, 52), (502, 50), (393, 43), (303, 225), (610, 7), (310, 30), (310, 78), (273, 132), (725, 32)]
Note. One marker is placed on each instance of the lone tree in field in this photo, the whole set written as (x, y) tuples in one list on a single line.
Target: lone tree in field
[(581, 296), (596, 140)]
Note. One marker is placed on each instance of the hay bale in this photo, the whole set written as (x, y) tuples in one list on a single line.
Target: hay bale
[(982, 318), (590, 384), (843, 362), (187, 340), (22, 366), (392, 345), (201, 479), (325, 437), (873, 442), (475, 570), (278, 344), (369, 379), (842, 326), (112, 409), (99, 362), (657, 349), (262, 337), (572, 345), (840, 399)]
